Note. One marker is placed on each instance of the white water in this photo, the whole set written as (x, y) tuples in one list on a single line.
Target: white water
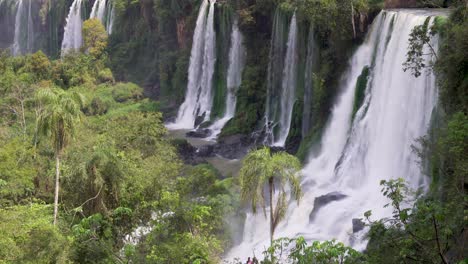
[(234, 79), (353, 158), (282, 75), (24, 34), (99, 10), (288, 92), (72, 38), (104, 11), (110, 17), (199, 99)]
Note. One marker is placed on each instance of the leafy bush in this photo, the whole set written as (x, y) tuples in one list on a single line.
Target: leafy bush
[(97, 107), (106, 76), (126, 91)]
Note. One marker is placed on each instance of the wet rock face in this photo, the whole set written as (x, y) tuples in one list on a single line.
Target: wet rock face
[(233, 147), (400, 3), (323, 200), (358, 225), (199, 133), (188, 153)]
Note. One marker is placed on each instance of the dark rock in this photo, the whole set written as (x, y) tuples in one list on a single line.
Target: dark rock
[(358, 225), (233, 147), (187, 152), (206, 151), (323, 200), (199, 133), (199, 119), (400, 3), (206, 124)]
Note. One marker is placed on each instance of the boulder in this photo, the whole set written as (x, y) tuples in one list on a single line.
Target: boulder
[(206, 151), (233, 147), (200, 119), (187, 152), (199, 133), (358, 225), (323, 200)]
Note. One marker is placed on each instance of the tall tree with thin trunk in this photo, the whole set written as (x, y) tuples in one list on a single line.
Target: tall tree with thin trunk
[(59, 113), (275, 173)]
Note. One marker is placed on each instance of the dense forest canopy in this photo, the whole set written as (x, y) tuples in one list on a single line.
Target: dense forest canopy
[(93, 171)]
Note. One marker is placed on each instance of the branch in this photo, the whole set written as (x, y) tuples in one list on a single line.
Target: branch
[(90, 199), (438, 241)]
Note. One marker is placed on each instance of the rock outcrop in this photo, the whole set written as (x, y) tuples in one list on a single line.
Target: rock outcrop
[(400, 3)]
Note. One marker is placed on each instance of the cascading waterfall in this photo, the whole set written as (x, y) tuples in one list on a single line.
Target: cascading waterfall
[(279, 113), (72, 38), (234, 78), (110, 17), (104, 11), (311, 62), (24, 29), (99, 10), (355, 154), (288, 93), (275, 69), (199, 98)]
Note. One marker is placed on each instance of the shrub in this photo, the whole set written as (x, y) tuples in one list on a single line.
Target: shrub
[(106, 76), (96, 107), (126, 91)]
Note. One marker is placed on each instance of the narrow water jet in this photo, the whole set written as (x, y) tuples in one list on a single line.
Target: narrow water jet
[(72, 38), (281, 86), (275, 70), (104, 11), (99, 10), (234, 78), (24, 28), (288, 92), (311, 62), (199, 98)]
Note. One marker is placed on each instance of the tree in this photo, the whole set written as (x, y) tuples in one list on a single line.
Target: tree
[(297, 251), (57, 119), (416, 57), (278, 170), (94, 37), (427, 232)]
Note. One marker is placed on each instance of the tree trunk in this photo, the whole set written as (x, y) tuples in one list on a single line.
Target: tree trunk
[(270, 185), (352, 20), (57, 177)]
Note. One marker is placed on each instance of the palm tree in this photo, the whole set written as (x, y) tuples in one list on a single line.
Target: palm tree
[(59, 113), (277, 170)]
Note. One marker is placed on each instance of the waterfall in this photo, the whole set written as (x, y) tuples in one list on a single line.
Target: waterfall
[(104, 11), (288, 93), (72, 38), (311, 62), (199, 99), (234, 78), (110, 17), (280, 101), (355, 154), (99, 10), (24, 30)]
